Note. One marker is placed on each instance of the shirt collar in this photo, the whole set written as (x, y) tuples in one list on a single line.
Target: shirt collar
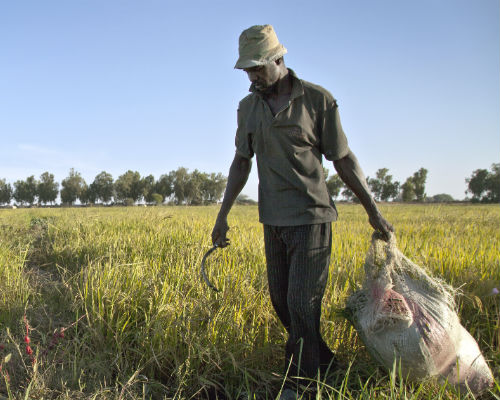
[(297, 88)]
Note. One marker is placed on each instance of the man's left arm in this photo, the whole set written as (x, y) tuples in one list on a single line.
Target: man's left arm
[(350, 172)]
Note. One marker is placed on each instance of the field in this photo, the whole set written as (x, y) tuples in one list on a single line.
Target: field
[(110, 303)]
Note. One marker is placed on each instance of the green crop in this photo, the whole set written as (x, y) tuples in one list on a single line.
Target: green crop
[(116, 307)]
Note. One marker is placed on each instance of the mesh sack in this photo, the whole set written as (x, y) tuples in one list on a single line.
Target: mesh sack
[(407, 317)]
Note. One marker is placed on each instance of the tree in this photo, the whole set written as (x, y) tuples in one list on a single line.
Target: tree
[(5, 192), (419, 179), (157, 198), (165, 185), (20, 192), (390, 190), (25, 191), (334, 185), (485, 185), (493, 184), (414, 186), (102, 187), (212, 187), (181, 185), (408, 190), (148, 188), (476, 184), (47, 188), (382, 187), (87, 194), (73, 187), (129, 186), (193, 187)]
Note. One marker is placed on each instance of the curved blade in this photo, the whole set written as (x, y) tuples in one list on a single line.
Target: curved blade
[(203, 273)]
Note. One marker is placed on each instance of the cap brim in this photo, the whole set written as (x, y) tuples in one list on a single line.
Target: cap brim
[(244, 62)]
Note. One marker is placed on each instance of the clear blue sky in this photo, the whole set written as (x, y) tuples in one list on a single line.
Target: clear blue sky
[(149, 85)]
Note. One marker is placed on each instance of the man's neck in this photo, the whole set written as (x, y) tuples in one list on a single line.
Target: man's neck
[(283, 87), (279, 94)]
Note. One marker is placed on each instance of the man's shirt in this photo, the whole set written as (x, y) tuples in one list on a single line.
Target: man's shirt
[(289, 148)]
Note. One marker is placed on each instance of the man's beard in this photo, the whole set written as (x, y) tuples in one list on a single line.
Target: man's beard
[(268, 89)]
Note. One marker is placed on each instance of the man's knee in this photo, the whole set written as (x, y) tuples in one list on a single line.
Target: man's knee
[(303, 309)]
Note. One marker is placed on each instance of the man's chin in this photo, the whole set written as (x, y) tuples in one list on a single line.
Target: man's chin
[(264, 89)]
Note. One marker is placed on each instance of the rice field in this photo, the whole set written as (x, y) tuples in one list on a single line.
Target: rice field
[(108, 303)]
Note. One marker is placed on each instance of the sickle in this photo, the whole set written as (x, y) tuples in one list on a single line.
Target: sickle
[(203, 273)]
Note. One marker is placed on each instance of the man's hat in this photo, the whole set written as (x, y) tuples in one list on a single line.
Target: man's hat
[(259, 45)]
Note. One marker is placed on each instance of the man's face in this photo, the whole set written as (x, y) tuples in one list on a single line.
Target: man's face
[(264, 77)]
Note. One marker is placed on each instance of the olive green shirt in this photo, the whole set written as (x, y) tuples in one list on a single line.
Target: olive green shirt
[(289, 148)]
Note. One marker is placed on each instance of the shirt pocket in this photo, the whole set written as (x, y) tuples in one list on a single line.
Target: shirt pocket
[(295, 137)]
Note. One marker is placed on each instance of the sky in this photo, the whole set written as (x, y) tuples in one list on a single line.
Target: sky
[(149, 85)]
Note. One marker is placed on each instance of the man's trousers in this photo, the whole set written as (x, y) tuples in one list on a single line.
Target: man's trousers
[(297, 267)]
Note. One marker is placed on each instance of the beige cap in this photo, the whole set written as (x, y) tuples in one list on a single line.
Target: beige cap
[(259, 45)]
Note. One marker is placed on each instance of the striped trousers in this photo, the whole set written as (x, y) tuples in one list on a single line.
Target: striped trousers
[(297, 269)]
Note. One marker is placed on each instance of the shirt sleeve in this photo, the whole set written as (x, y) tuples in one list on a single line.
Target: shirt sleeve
[(243, 138), (333, 140)]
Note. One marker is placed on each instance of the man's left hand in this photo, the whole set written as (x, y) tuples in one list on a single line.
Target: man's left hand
[(381, 225)]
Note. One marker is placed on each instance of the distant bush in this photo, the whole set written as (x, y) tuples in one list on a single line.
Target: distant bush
[(244, 199), (440, 198), (128, 202), (157, 198)]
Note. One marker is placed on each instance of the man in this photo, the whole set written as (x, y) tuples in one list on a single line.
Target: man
[(289, 124)]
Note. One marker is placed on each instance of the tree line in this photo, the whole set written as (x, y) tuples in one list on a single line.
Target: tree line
[(383, 187), (483, 185), (196, 188), (179, 186)]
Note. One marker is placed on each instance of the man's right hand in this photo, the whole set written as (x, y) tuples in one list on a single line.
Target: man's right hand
[(238, 175), (219, 233)]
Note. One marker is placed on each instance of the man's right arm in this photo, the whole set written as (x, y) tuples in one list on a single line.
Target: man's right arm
[(238, 175)]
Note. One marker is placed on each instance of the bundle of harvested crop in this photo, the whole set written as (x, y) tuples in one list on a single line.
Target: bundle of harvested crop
[(407, 317)]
